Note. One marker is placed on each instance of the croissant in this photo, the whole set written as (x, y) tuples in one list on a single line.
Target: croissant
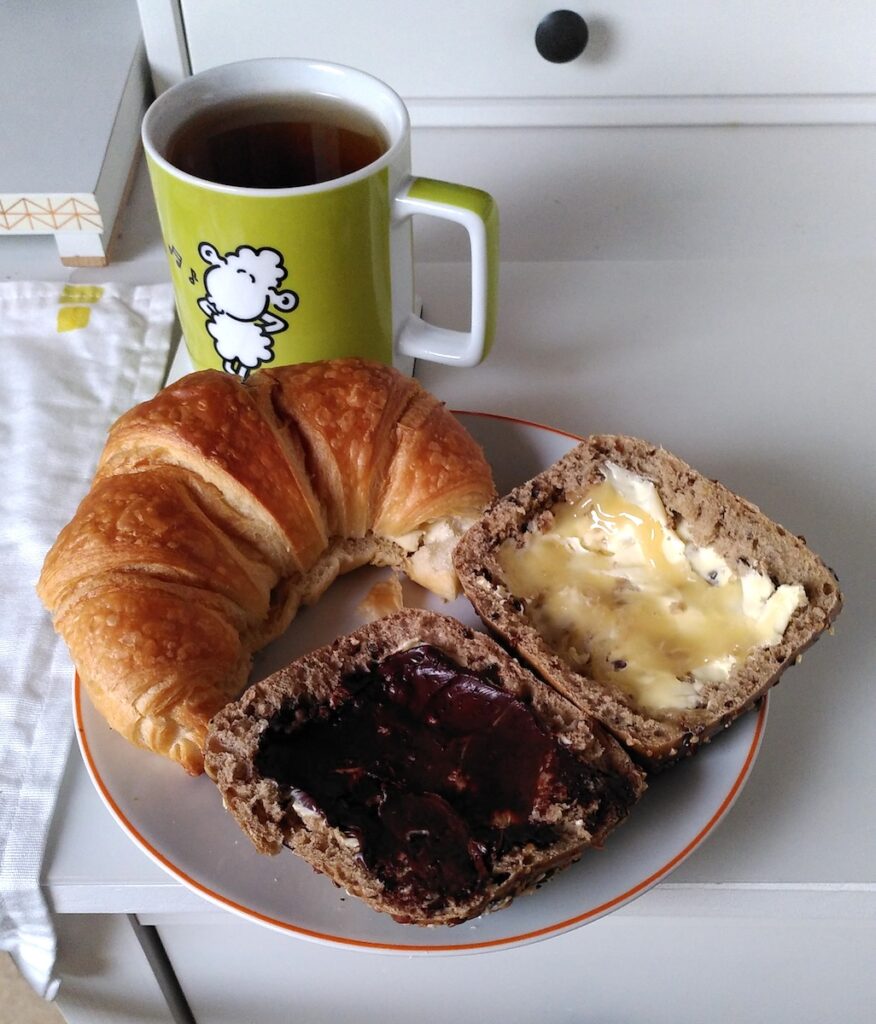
[(219, 507)]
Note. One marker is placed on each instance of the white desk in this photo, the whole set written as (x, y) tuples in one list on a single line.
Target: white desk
[(757, 372)]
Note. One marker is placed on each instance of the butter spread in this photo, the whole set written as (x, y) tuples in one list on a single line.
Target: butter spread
[(430, 552), (636, 604), (441, 534)]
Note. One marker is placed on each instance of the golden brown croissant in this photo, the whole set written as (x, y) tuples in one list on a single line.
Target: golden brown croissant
[(220, 506)]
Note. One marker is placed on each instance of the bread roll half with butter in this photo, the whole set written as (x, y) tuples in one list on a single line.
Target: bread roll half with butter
[(653, 598)]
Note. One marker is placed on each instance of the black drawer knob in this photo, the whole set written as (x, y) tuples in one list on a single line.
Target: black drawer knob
[(561, 36)]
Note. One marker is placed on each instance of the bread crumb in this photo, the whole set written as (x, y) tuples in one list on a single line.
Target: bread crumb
[(382, 599)]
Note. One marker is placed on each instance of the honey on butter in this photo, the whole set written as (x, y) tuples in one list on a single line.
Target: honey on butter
[(635, 604)]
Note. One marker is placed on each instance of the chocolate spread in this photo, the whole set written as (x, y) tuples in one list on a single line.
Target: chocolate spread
[(433, 770)]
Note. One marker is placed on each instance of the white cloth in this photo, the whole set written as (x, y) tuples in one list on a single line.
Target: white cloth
[(74, 357)]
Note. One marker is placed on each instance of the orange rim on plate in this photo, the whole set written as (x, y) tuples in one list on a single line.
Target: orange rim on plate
[(555, 928)]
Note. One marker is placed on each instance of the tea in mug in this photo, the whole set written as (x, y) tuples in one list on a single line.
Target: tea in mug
[(276, 142)]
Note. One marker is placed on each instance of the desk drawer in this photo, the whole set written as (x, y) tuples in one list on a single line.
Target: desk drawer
[(456, 50), (233, 971)]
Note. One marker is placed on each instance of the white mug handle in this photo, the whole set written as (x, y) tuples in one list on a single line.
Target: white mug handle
[(476, 211)]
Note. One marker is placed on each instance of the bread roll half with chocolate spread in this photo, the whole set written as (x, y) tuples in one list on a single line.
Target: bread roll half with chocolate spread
[(420, 768)]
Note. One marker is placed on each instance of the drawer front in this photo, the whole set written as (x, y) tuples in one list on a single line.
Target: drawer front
[(233, 971), (454, 50)]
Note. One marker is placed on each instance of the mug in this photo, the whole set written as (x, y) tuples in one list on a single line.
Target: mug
[(270, 269)]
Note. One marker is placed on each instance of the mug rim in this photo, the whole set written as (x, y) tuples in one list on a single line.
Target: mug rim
[(177, 94)]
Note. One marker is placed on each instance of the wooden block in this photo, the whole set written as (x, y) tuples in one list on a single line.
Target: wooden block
[(80, 88)]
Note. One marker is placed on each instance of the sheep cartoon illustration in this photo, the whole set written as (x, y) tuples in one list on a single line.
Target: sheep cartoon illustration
[(241, 286)]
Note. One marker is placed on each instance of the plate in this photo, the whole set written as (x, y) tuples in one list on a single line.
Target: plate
[(181, 824)]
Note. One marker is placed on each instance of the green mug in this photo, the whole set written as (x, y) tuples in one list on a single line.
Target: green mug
[(304, 271)]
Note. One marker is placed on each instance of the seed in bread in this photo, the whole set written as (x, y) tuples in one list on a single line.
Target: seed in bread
[(420, 768), (653, 598)]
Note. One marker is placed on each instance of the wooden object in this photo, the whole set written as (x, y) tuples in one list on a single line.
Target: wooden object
[(77, 89)]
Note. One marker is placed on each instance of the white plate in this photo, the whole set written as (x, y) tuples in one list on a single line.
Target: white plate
[(180, 822)]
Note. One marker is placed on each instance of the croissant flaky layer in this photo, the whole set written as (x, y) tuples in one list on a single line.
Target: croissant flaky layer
[(219, 507)]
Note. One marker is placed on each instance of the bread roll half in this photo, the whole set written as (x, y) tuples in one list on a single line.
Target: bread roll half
[(740, 597), (435, 786)]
